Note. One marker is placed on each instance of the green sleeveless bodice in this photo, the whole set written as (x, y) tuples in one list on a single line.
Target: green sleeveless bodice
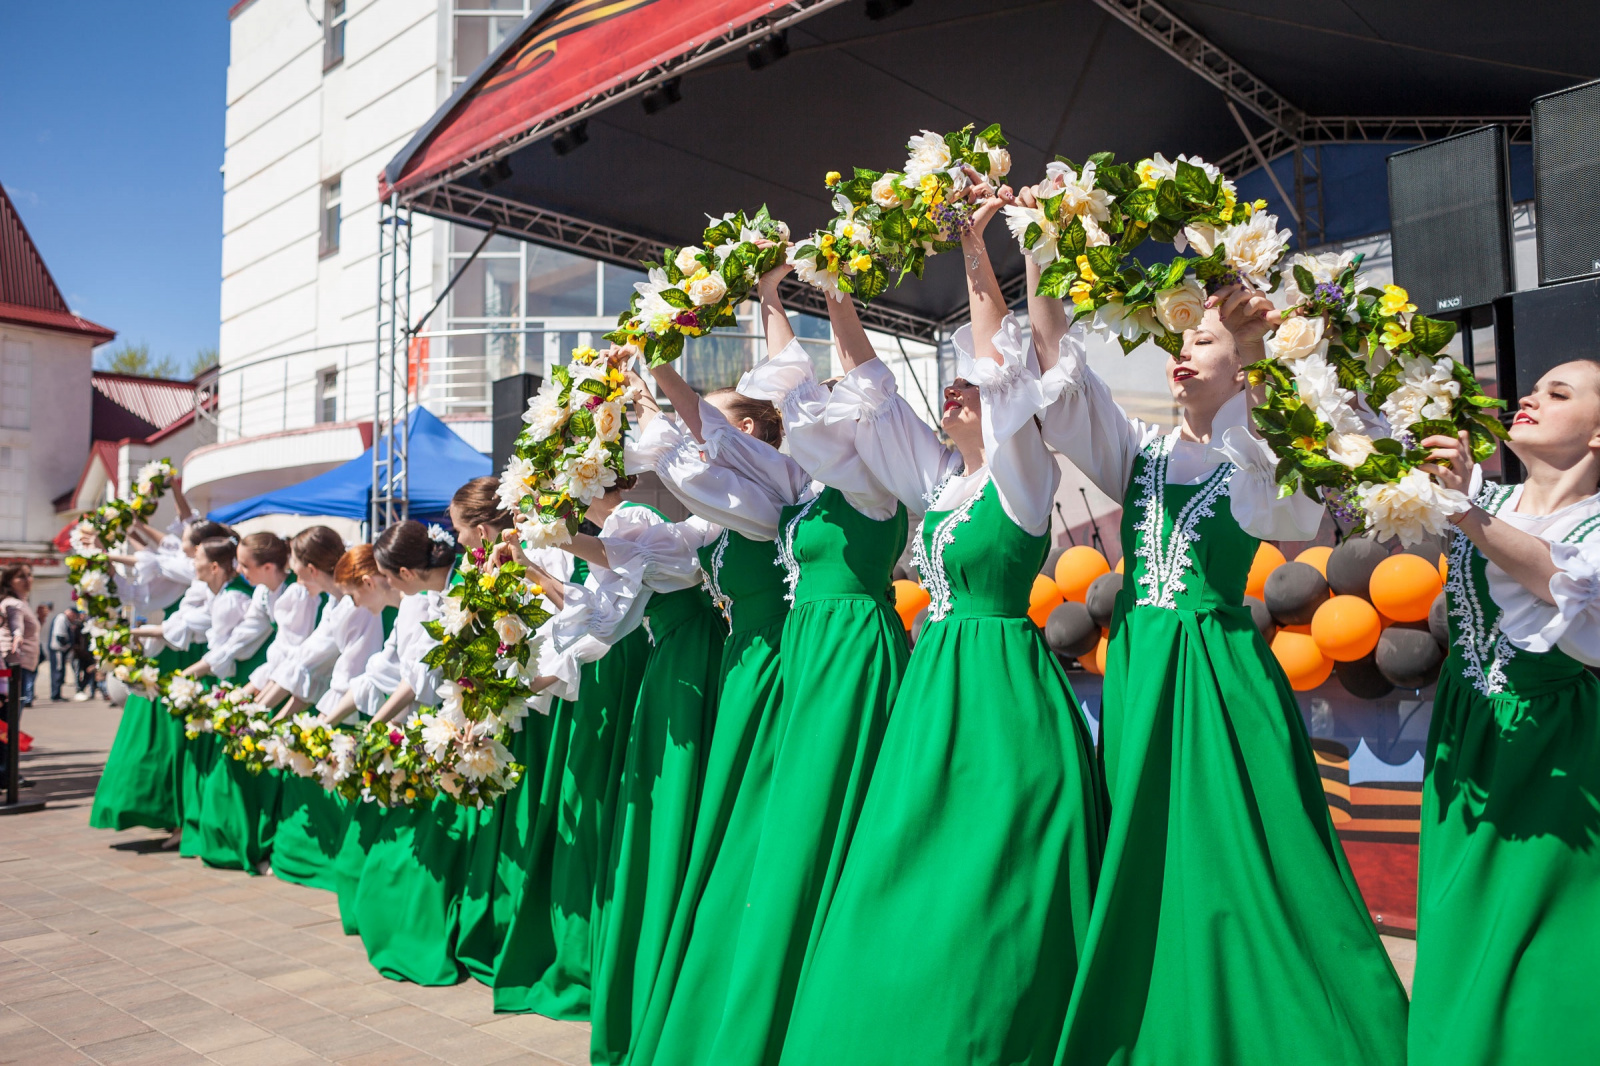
[(1184, 550), (976, 562), (744, 581), (1480, 655), (830, 551), (246, 666), (387, 617)]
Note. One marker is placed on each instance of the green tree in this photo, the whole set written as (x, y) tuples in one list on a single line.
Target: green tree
[(135, 359), (204, 359)]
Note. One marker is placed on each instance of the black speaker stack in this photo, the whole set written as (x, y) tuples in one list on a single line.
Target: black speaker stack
[(1450, 230), (510, 398)]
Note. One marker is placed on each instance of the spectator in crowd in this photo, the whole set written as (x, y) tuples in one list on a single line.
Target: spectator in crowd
[(60, 636), (19, 636), (83, 660)]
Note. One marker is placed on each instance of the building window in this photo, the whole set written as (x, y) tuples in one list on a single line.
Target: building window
[(328, 395), (16, 380), (13, 493), (480, 26), (329, 242), (333, 22)]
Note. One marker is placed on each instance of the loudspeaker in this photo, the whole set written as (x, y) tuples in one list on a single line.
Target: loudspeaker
[(511, 396), (1545, 327), (1450, 220), (1566, 182)]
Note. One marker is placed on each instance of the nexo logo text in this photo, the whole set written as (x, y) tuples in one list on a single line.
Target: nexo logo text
[(1448, 303)]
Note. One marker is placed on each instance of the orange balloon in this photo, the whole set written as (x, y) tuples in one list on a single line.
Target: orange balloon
[(1444, 568), (1316, 556), (1044, 598), (1076, 570), (1301, 659), (909, 599), (1119, 564), (1100, 652), (1268, 559), (1346, 628), (1404, 587)]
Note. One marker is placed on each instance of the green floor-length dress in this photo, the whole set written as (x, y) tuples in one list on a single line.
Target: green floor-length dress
[(1508, 936), (686, 1003), (238, 809), (545, 965), (361, 825), (965, 899), (1227, 928), (844, 653), (142, 783), (497, 860), (655, 817)]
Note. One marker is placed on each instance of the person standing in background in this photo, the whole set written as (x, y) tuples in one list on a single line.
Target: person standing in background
[(19, 639), (58, 643)]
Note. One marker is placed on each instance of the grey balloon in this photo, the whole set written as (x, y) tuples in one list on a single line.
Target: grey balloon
[(1363, 679), (1262, 618), (1410, 658), (1351, 565), (1071, 631), (1294, 592), (1438, 620), (1101, 599), (916, 624)]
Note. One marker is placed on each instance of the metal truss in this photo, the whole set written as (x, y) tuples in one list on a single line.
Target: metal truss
[(391, 482), (596, 241), (782, 17), (1154, 22), (1357, 129)]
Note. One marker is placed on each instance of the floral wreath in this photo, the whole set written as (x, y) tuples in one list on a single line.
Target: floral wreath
[(1090, 218), (570, 452), (697, 289), (1338, 343), (889, 222)]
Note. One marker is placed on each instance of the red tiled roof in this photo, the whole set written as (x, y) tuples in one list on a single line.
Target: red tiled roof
[(157, 401), (28, 294)]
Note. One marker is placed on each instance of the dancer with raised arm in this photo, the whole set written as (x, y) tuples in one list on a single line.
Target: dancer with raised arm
[(1508, 950), (546, 963), (964, 902), (1227, 927), (740, 566)]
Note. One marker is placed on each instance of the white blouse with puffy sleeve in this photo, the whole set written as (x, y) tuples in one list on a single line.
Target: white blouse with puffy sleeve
[(319, 671), (239, 625), (294, 616), (823, 444), (905, 454), (1086, 425), (191, 621), (382, 674)]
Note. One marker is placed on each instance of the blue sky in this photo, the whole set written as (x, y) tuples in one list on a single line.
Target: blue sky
[(110, 142)]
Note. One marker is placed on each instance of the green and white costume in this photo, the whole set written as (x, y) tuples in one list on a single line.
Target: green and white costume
[(965, 898), (1227, 927), (1508, 946)]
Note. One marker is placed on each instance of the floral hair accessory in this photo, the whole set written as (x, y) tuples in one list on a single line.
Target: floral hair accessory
[(439, 535)]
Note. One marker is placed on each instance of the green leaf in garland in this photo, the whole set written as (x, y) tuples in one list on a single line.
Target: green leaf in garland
[(1388, 446), (894, 226), (1303, 278), (1169, 342), (1074, 241), (1141, 204), (993, 137), (1168, 202), (1104, 260), (1031, 235), (676, 297), (1429, 335), (1056, 279), (1193, 183)]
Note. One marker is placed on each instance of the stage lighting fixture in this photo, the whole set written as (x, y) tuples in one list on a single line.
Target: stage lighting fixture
[(768, 50), (882, 9), (661, 96), (568, 139), (494, 172)]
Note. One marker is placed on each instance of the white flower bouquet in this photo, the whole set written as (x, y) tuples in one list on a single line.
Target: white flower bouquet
[(698, 289), (890, 221), (1090, 218), (244, 725), (1340, 344), (301, 745), (388, 765), (570, 451)]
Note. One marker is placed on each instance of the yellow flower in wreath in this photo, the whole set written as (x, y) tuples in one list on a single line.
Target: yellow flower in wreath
[(1395, 335), (1394, 301)]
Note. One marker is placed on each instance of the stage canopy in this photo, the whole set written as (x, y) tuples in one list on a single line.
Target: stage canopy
[(440, 461), (1237, 82)]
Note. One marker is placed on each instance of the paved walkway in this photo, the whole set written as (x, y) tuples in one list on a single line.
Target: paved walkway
[(113, 951)]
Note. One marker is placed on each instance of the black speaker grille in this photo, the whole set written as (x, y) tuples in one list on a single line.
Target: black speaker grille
[(1566, 182), (1450, 220)]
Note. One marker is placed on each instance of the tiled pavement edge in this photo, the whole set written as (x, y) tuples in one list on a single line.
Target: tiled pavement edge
[(112, 951)]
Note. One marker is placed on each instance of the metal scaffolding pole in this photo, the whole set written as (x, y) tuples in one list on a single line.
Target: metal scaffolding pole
[(392, 370)]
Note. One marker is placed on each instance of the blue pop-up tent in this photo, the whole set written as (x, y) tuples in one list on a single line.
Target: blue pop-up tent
[(441, 462)]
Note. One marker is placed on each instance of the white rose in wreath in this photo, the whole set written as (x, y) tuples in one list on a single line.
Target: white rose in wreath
[(588, 476), (1254, 247), (1414, 508), (1350, 449), (510, 629), (999, 159), (1181, 307), (929, 153), (536, 532), (883, 192), (707, 290), (1296, 338), (608, 420), (687, 261)]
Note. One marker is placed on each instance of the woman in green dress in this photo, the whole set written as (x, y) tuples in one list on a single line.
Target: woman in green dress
[(838, 535), (1227, 927), (314, 676), (407, 899), (546, 963), (737, 555), (1508, 948), (964, 903), (654, 581), (142, 783)]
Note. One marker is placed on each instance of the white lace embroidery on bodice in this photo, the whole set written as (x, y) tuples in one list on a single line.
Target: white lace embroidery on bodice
[(931, 564), (712, 581), (786, 559), (1484, 649), (1167, 560)]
